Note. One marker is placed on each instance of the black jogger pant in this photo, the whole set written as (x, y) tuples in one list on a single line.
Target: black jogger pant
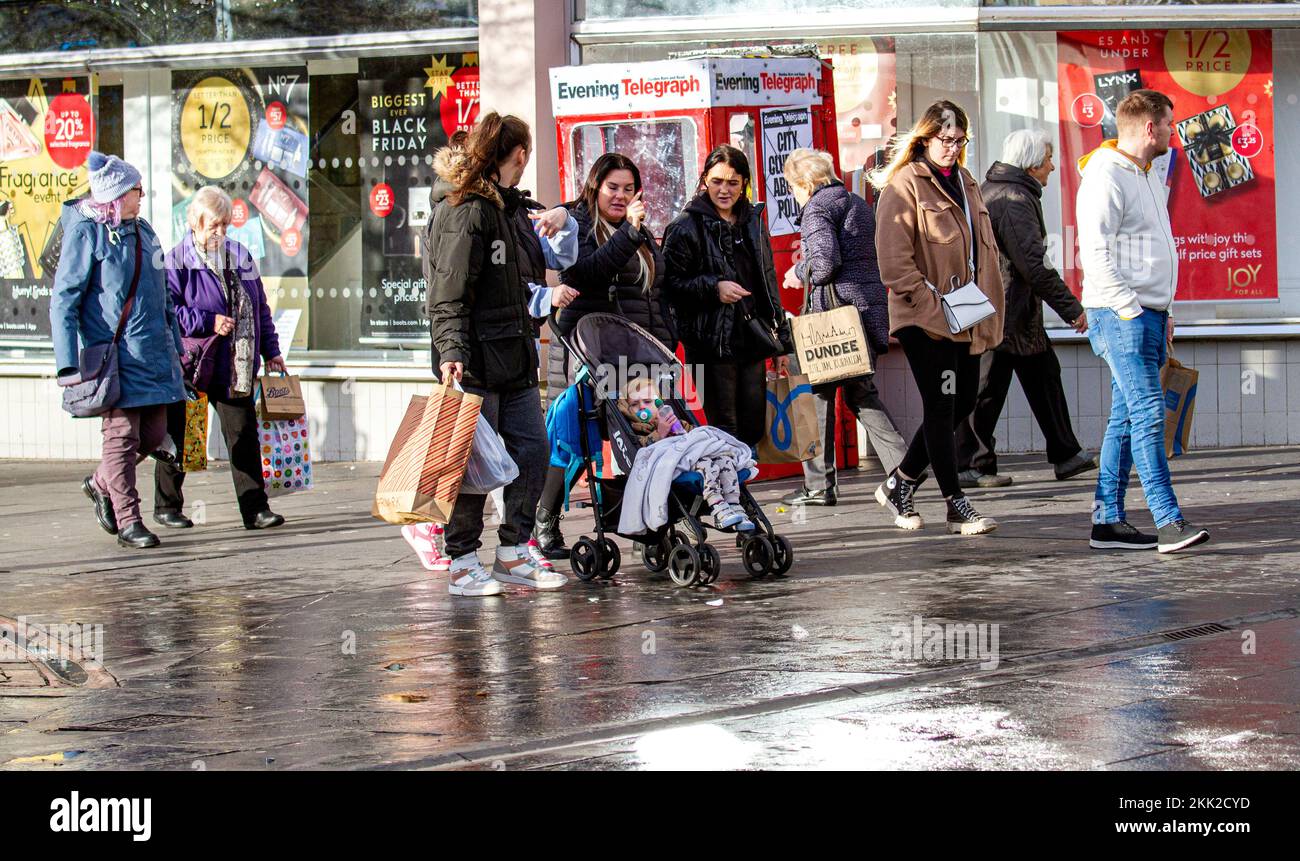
[(948, 377)]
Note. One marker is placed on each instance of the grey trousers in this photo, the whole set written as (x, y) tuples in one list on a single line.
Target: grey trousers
[(862, 399), (517, 416)]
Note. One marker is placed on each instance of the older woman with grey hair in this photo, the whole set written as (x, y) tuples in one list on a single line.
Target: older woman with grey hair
[(837, 230), (1013, 191), (219, 298)]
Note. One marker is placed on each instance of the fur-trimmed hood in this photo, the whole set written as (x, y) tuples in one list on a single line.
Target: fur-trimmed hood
[(452, 166)]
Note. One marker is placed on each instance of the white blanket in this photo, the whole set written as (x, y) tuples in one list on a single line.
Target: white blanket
[(645, 500)]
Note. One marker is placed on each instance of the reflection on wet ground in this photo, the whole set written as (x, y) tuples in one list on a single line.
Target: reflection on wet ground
[(325, 645)]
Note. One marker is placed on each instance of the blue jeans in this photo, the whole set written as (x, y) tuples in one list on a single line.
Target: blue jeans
[(1134, 350)]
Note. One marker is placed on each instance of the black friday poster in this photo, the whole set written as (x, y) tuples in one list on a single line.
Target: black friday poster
[(408, 108)]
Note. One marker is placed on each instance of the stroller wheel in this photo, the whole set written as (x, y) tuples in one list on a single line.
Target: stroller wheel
[(759, 555), (655, 556), (610, 558), (684, 565), (784, 554), (711, 562), (585, 559)]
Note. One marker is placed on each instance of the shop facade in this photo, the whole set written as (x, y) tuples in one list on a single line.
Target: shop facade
[(323, 126)]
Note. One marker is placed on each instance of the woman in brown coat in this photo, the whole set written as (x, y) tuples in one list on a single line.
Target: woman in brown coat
[(933, 236)]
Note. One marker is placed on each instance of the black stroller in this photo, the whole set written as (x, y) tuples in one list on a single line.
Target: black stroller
[(613, 350)]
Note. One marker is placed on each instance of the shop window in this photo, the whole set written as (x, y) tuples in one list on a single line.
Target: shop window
[(65, 25), (595, 9), (663, 150)]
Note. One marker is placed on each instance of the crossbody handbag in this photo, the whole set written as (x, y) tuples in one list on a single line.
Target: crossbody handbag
[(965, 305), (100, 387)]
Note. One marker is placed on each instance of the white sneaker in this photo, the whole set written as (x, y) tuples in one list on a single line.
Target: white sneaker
[(525, 571), (470, 579)]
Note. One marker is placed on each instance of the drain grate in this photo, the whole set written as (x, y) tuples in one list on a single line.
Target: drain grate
[(134, 722), (1198, 631)]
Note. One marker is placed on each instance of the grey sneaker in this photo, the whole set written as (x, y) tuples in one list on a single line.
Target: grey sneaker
[(975, 478), (1181, 535), (1120, 536)]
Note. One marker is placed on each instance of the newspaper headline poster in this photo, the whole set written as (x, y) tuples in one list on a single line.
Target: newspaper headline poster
[(1219, 171), (47, 129), (246, 131), (408, 109), (784, 131)]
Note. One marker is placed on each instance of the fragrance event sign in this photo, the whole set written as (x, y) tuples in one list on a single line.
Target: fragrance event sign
[(47, 128), (1219, 172), (407, 109)]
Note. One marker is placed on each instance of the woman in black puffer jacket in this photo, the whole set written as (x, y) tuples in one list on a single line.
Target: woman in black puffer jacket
[(838, 252), (720, 277), (619, 270)]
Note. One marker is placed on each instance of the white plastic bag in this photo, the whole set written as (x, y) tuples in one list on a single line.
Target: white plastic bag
[(490, 465)]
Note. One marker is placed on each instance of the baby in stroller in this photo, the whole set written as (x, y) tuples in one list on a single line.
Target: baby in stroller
[(653, 421)]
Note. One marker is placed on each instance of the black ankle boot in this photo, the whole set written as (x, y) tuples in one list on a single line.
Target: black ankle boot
[(546, 529)]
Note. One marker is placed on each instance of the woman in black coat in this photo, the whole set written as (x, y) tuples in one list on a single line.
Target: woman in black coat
[(619, 270), (838, 253), (722, 287)]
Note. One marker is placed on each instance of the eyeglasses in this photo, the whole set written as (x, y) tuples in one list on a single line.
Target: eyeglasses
[(954, 143), (139, 188)]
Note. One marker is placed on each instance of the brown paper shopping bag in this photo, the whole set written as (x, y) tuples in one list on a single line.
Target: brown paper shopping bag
[(426, 460), (832, 345), (790, 434), (1179, 384), (281, 398)]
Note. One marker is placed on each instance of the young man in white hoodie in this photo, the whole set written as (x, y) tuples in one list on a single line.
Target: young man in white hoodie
[(1130, 270)]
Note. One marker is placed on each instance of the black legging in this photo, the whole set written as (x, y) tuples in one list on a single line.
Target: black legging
[(948, 378), (734, 395)]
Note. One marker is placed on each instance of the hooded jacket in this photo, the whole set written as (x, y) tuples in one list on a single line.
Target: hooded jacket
[(90, 288), (477, 301), (697, 258), (837, 232), (1014, 201), (922, 236), (607, 277), (1126, 243)]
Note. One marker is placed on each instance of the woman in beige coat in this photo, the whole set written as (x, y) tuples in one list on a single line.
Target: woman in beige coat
[(933, 236)]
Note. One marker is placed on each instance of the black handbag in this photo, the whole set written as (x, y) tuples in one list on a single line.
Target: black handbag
[(762, 335)]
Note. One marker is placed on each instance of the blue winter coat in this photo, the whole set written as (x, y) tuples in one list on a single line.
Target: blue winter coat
[(838, 242), (90, 288), (200, 295)]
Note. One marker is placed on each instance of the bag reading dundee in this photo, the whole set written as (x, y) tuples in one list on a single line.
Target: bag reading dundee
[(426, 461), (831, 345)]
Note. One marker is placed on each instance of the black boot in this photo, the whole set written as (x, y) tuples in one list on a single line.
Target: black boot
[(546, 529), (137, 536)]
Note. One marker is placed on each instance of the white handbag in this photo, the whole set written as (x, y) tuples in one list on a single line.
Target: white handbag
[(965, 306)]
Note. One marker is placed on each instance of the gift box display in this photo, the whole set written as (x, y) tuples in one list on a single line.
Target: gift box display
[(1207, 140)]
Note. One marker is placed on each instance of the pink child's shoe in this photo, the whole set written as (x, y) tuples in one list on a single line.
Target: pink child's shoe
[(426, 540)]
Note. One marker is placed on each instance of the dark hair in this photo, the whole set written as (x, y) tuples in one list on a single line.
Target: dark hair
[(491, 142), (603, 167), (730, 156), (600, 170), (1142, 105)]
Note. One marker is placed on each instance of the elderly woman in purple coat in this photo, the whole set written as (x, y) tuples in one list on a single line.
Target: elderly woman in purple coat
[(217, 291)]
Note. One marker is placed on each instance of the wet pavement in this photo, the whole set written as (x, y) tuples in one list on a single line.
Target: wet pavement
[(324, 644)]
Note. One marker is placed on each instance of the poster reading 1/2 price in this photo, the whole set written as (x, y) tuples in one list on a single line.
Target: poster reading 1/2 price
[(784, 131), (1219, 169)]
